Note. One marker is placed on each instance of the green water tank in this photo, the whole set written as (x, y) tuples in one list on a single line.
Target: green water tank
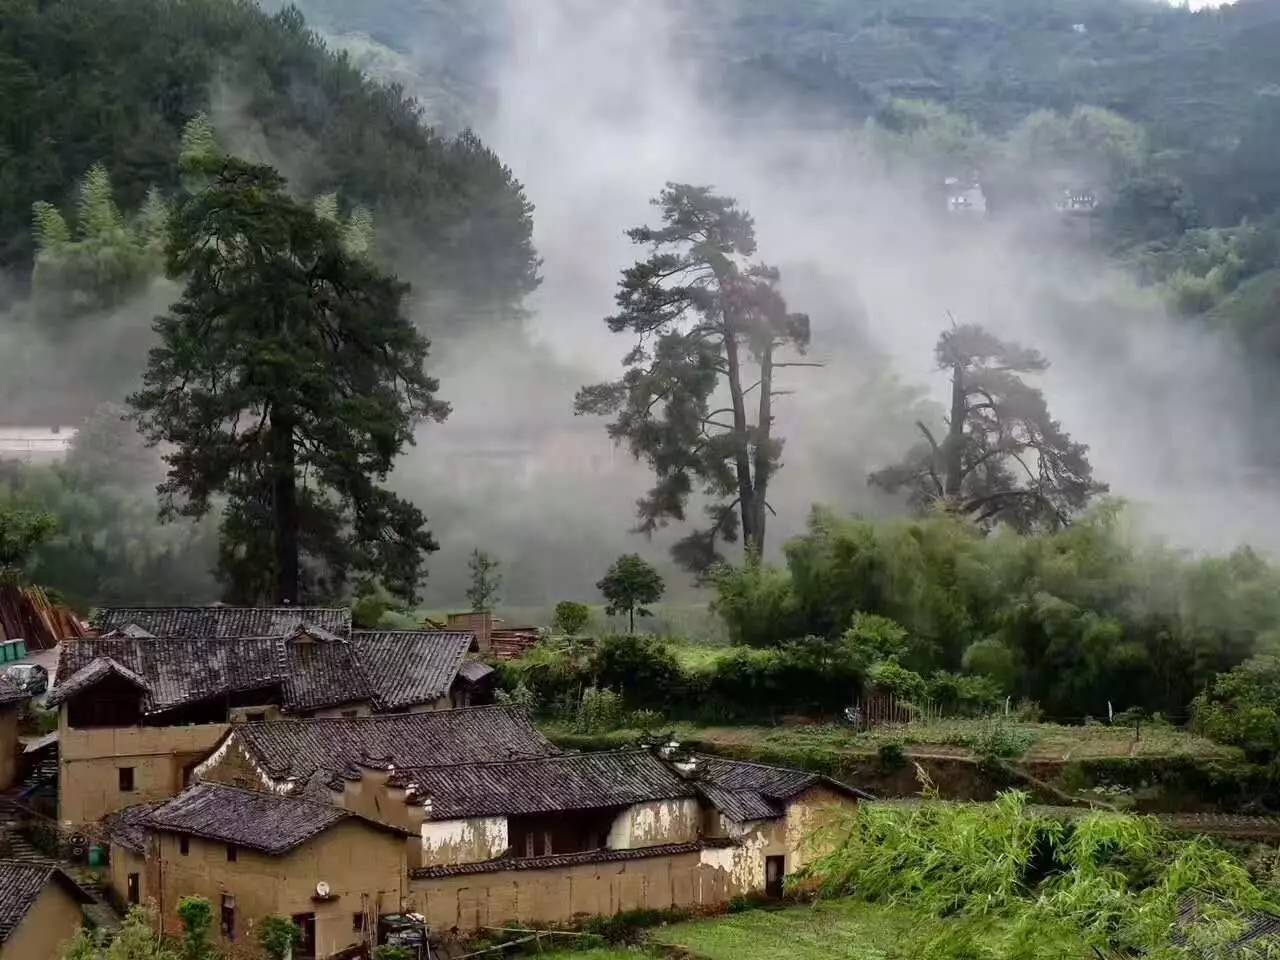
[(97, 855)]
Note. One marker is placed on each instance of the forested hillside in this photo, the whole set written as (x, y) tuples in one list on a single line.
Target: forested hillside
[(114, 83)]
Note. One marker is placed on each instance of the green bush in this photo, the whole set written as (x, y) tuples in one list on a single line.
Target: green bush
[(891, 757), (643, 668), (600, 711), (1242, 707), (570, 617)]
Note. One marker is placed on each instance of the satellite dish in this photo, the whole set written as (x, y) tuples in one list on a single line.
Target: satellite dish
[(322, 889)]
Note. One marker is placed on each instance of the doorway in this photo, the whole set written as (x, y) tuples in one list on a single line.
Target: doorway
[(775, 873), (306, 923)]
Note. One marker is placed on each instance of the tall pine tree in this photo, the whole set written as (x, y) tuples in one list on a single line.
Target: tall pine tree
[(286, 382), (697, 399)]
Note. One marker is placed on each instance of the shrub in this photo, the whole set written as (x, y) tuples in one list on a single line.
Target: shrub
[(891, 757), (1242, 707), (277, 936), (1000, 739), (756, 603), (570, 617), (642, 667), (600, 711), (646, 720), (197, 919), (898, 680)]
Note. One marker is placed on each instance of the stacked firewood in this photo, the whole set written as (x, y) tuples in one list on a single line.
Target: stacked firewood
[(26, 613)]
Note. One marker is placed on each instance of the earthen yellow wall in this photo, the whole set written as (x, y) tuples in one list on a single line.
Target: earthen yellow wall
[(124, 862), (472, 840), (9, 746), (560, 895), (804, 826), (362, 865), (89, 761), (655, 823), (52, 920)]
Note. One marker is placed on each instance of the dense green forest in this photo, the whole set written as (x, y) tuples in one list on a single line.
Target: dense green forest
[(114, 83)]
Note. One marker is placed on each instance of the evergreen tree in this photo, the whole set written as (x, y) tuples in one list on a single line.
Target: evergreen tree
[(705, 320), (287, 380), (485, 581), (1003, 458), (630, 584)]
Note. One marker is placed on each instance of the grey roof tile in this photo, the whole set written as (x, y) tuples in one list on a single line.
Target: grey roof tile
[(223, 623), (545, 785), (756, 791), (298, 749), (412, 666), (21, 884), (266, 822)]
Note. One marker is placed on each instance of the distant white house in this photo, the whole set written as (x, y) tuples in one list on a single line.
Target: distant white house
[(42, 444), (965, 197), (1076, 200)]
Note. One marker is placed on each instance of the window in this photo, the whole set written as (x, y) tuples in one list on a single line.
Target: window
[(231, 853), (134, 895), (184, 845), (256, 716), (126, 779), (228, 917), (357, 922), (350, 714)]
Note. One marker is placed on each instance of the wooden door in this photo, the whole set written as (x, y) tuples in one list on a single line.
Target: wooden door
[(775, 872), (307, 943)]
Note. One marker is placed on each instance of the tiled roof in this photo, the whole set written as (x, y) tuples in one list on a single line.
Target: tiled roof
[(10, 692), (411, 666), (577, 782), (561, 860), (223, 623), (755, 791), (297, 749), (473, 671), (172, 672), (390, 670), (21, 884), (128, 827), (323, 674), (77, 673), (266, 822)]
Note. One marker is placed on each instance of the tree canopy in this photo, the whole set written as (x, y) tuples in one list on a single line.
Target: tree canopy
[(1003, 459), (708, 324), (287, 379), (629, 585)]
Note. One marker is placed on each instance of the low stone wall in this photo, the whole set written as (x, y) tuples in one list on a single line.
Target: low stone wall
[(562, 890)]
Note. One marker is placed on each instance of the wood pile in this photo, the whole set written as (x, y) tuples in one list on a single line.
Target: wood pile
[(27, 614), (512, 643)]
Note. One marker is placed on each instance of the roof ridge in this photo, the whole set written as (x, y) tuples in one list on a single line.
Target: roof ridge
[(518, 761), (390, 716), (761, 766)]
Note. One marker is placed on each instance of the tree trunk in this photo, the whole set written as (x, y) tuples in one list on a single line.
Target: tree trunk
[(284, 508), (631, 613), (742, 455), (764, 431), (954, 481)]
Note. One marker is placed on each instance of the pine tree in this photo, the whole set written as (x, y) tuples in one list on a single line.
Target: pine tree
[(287, 380)]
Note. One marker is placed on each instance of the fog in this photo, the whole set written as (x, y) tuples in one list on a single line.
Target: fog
[(596, 106)]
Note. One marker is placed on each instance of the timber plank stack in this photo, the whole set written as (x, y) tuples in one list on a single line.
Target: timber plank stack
[(26, 613)]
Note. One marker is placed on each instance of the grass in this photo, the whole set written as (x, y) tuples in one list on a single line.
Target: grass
[(1041, 742), (829, 930)]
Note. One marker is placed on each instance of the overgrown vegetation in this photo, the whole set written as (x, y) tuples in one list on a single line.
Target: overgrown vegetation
[(1115, 882), (1082, 620)]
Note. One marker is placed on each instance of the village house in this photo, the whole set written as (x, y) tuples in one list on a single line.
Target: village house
[(40, 910), (252, 855), (138, 709), (704, 832), (12, 700), (544, 837)]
